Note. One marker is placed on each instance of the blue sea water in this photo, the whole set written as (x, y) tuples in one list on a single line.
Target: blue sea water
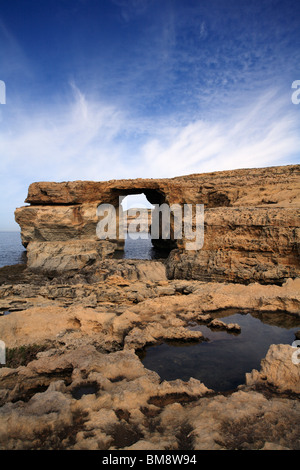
[(13, 252), (140, 248), (11, 249)]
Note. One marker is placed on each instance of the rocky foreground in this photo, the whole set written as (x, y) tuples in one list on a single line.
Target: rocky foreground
[(73, 379), (75, 317)]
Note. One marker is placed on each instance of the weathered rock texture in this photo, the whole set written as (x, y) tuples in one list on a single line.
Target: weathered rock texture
[(75, 318), (134, 410), (251, 233), (76, 381)]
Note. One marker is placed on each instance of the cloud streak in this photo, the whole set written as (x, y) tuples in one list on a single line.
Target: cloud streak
[(88, 140), (144, 88), (261, 134)]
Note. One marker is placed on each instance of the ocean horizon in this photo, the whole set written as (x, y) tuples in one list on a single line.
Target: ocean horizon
[(11, 249)]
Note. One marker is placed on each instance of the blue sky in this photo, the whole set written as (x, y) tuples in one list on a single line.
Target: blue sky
[(109, 89)]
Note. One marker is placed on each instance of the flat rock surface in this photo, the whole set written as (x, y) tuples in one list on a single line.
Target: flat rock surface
[(76, 382), (76, 318)]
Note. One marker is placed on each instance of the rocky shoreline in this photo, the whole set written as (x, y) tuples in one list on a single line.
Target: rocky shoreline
[(75, 318), (76, 382)]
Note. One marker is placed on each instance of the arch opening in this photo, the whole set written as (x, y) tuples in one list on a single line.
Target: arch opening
[(137, 209)]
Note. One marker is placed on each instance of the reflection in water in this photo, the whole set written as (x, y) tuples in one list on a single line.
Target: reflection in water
[(222, 361)]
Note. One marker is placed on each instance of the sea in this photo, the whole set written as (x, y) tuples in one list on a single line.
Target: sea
[(141, 248), (13, 252), (11, 249)]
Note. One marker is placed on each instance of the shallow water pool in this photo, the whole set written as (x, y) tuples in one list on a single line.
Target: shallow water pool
[(222, 361)]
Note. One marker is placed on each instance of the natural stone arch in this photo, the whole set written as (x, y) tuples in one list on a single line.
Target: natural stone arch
[(251, 229), (155, 197)]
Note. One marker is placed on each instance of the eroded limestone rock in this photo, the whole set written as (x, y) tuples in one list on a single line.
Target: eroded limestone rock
[(89, 386), (278, 369), (251, 224), (125, 406)]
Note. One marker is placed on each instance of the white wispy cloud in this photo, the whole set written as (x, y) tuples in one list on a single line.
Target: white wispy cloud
[(259, 134), (50, 143), (85, 139)]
